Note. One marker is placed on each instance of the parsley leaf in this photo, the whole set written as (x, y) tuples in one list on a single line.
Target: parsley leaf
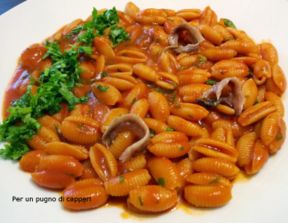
[(169, 129), (102, 88), (161, 181), (211, 82), (118, 35), (229, 23)]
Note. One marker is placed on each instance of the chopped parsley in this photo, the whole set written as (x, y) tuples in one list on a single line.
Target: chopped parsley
[(161, 181), (279, 137), (102, 88), (103, 74), (55, 84), (118, 35), (169, 129), (181, 148), (121, 179), (97, 26), (202, 59), (140, 201), (229, 23), (211, 82), (152, 133)]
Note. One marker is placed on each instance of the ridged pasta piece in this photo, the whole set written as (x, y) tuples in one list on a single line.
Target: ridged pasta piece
[(193, 76), (135, 163), (207, 179), (123, 184), (219, 166), (93, 195), (43, 136), (166, 60), (256, 113), (30, 160), (219, 134), (184, 168), (131, 10), (137, 92), (145, 72), (189, 14), (119, 69), (112, 114), (158, 106), (272, 132), (87, 69), (258, 159), (269, 53), (88, 171), (104, 47), (187, 127), (276, 100), (278, 78), (215, 148), (152, 199), (52, 180), (121, 142), (250, 92), (211, 34), (103, 162), (61, 148), (130, 56), (164, 173), (245, 145), (121, 83), (216, 54), (80, 129), (229, 68), (106, 93), (156, 125), (167, 81), (192, 92), (189, 111), (241, 46), (140, 107), (50, 123), (208, 17), (207, 196), (169, 144), (60, 164)]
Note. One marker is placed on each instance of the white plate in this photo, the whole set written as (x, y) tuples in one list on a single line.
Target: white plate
[(264, 198)]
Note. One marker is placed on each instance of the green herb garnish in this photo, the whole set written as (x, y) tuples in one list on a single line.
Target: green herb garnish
[(118, 35), (169, 129), (121, 179), (161, 181), (211, 82), (103, 74), (279, 137), (55, 84), (140, 201), (181, 148), (102, 88), (229, 23)]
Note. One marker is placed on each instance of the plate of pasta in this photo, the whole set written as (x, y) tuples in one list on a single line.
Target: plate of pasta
[(133, 111)]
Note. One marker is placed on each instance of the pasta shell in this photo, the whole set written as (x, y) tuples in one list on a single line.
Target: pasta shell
[(123, 184), (103, 162), (216, 165), (88, 193), (152, 199), (164, 173)]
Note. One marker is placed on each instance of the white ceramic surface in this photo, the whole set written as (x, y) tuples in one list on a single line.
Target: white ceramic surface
[(263, 199)]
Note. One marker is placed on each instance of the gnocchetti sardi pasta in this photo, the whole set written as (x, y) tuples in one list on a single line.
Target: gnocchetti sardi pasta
[(152, 106)]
